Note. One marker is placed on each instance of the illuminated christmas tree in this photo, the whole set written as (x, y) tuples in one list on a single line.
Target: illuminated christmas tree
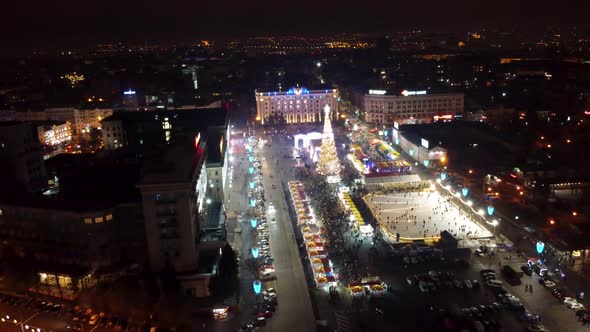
[(328, 164)]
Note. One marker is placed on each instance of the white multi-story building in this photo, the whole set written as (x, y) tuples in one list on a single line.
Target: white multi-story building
[(379, 107), (297, 105)]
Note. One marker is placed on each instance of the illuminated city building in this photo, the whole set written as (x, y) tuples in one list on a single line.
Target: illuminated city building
[(380, 107), (297, 105)]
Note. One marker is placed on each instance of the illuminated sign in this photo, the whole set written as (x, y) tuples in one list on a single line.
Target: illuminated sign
[(221, 145), (424, 143), (395, 125), (129, 92), (446, 117), (406, 93), (377, 92)]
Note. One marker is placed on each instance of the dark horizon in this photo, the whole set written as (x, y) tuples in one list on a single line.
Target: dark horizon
[(76, 24)]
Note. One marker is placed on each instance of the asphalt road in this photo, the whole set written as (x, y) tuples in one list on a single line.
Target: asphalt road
[(295, 307)]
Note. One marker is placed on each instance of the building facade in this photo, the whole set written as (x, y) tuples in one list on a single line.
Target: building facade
[(408, 107), (297, 105), (54, 133), (21, 157), (173, 194)]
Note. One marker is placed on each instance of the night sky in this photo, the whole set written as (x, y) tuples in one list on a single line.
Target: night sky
[(81, 22)]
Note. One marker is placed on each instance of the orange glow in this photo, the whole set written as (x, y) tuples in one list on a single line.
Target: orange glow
[(521, 193), (258, 118), (552, 221), (489, 188), (549, 146), (568, 140), (542, 137), (470, 171), (443, 159), (574, 213), (517, 187)]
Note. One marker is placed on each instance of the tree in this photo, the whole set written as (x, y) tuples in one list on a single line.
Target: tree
[(225, 283), (328, 163)]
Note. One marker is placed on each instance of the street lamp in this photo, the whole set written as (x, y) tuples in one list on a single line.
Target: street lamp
[(495, 223)]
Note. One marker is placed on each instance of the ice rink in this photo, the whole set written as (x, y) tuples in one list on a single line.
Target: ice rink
[(422, 214)]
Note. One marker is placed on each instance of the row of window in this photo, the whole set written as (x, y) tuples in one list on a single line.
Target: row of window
[(98, 220)]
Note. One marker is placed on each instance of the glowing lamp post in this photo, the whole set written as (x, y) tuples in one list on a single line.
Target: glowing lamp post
[(252, 184), (255, 252), (465, 191), (443, 176), (540, 247), (251, 159), (250, 170), (252, 202), (253, 222), (257, 285), (495, 223), (490, 210)]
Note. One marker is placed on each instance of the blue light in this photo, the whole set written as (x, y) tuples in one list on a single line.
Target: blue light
[(252, 202), (396, 141), (540, 247), (254, 252), (385, 133), (465, 191), (253, 222), (426, 162), (252, 184), (251, 159), (251, 170), (249, 149), (411, 152), (443, 176), (257, 285), (490, 210)]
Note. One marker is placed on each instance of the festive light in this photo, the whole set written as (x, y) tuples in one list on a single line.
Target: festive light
[(411, 152), (255, 252), (328, 163), (426, 162), (443, 176), (257, 285), (396, 141), (540, 247), (465, 191), (490, 210), (252, 184), (252, 202), (251, 170), (253, 222), (251, 159)]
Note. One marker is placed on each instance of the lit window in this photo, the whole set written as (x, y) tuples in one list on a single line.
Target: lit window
[(99, 220), (88, 220), (109, 217)]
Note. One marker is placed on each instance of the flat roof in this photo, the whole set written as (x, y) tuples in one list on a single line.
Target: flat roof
[(176, 164), (199, 118)]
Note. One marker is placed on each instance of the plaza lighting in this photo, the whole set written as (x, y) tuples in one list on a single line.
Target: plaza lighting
[(574, 213), (257, 285), (480, 212), (443, 176), (252, 202), (490, 210), (255, 252), (208, 200), (465, 191), (470, 202), (253, 222), (438, 181)]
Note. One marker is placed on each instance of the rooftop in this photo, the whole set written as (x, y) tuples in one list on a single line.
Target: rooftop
[(176, 164)]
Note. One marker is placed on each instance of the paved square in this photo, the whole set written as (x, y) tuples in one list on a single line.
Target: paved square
[(422, 214)]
